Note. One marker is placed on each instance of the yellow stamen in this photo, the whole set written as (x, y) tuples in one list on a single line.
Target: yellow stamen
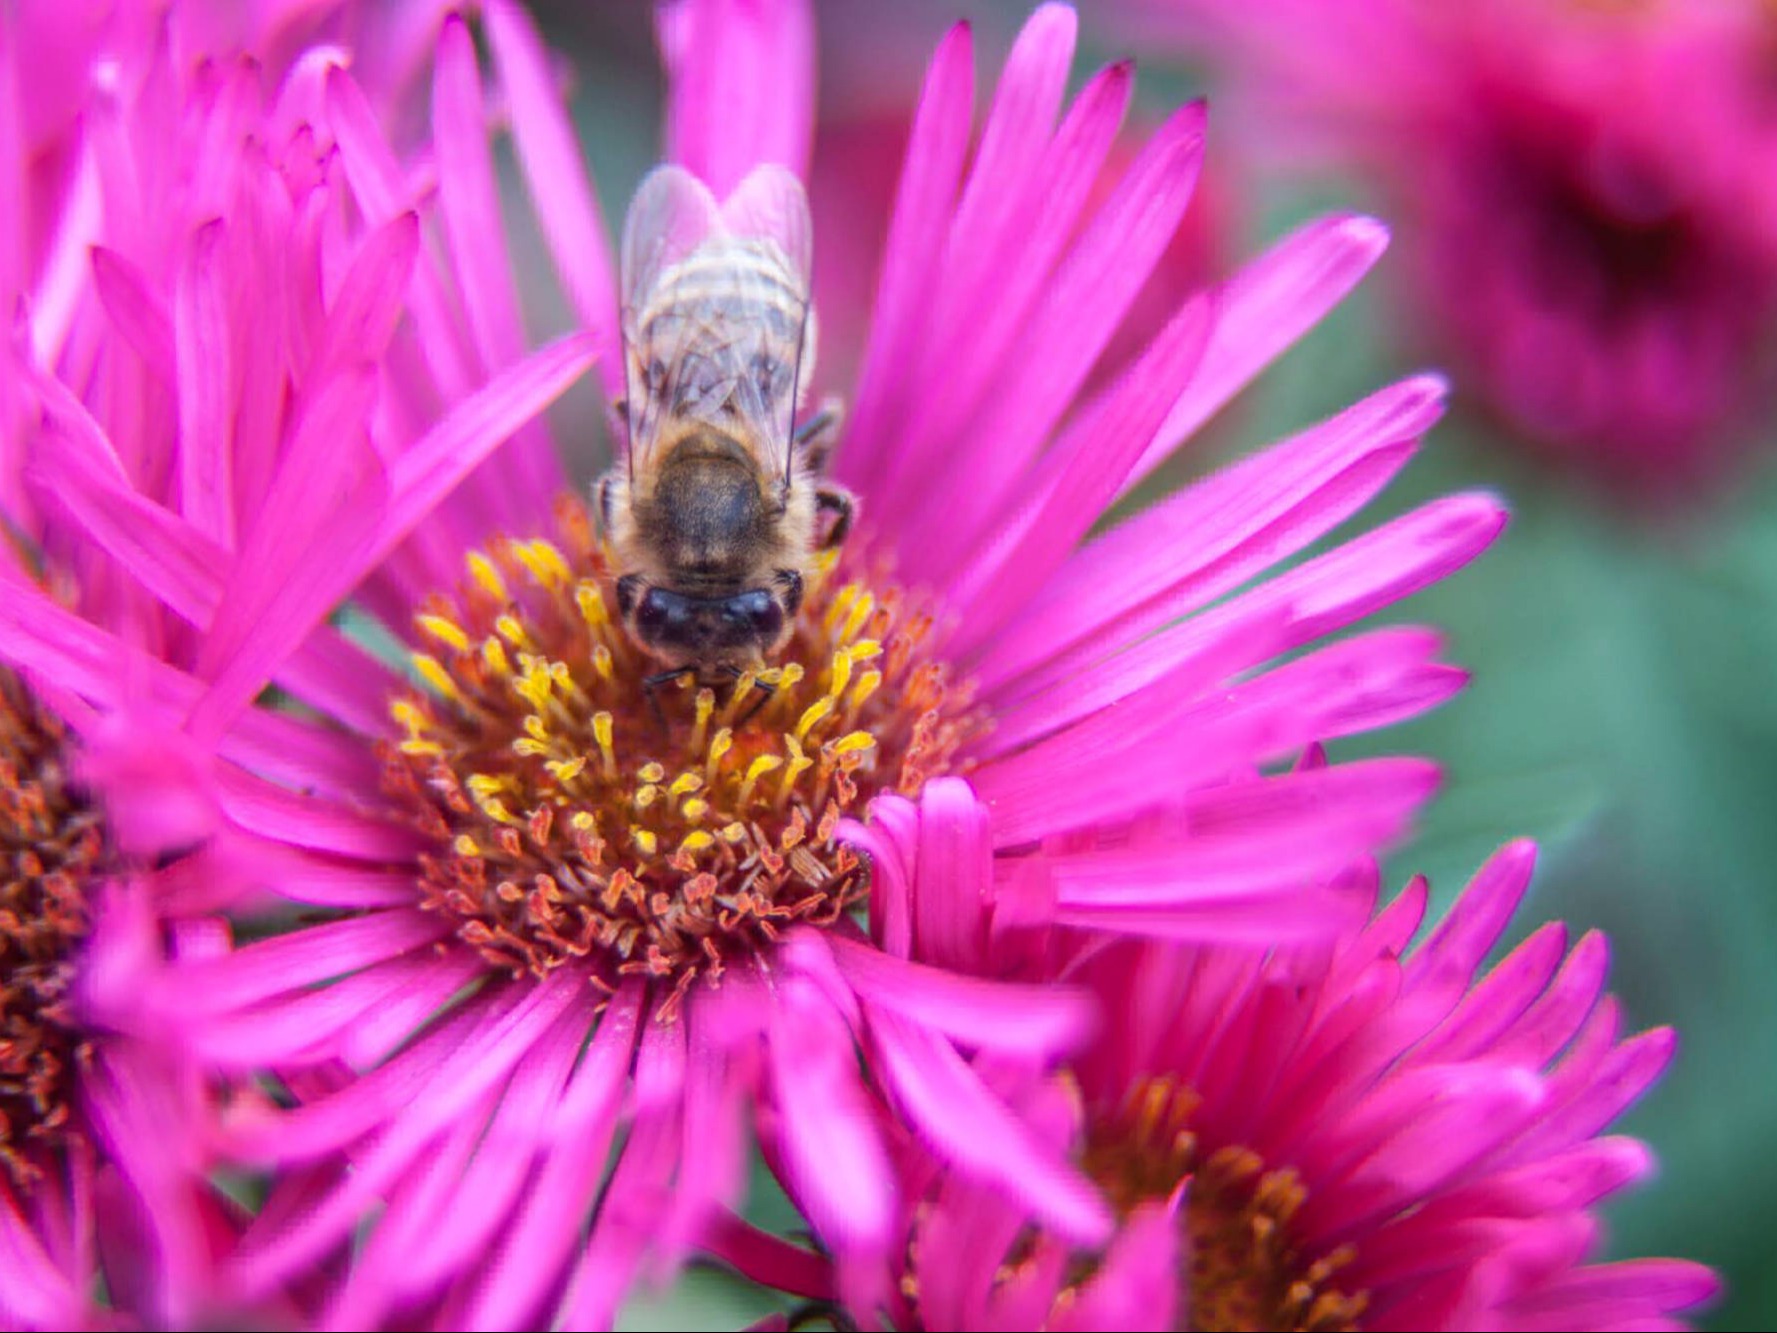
[(813, 714), (756, 770), (601, 731), (433, 673), (720, 744), (493, 652), (591, 604), (645, 841), (511, 631), (483, 571), (447, 632), (547, 565), (565, 770), (706, 705), (696, 841)]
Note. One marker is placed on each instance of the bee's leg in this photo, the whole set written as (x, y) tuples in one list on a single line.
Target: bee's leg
[(652, 683), (791, 582), (838, 503), (815, 437), (764, 688)]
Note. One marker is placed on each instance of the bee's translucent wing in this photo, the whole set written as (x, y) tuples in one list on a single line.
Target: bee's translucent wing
[(715, 308)]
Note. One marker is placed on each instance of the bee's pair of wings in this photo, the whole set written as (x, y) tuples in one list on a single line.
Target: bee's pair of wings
[(715, 309)]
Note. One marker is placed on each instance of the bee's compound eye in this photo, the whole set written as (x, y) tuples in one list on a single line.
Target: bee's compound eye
[(759, 611), (662, 616)]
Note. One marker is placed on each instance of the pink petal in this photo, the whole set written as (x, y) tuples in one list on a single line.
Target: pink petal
[(945, 1102), (911, 254), (1039, 1021), (206, 402), (556, 180), (1263, 310), (740, 86)]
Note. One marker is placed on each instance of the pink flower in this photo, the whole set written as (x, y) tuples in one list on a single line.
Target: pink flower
[(1584, 196), (572, 947), (173, 319), (1367, 1132)]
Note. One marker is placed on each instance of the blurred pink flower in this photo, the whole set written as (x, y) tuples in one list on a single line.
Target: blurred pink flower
[(1586, 198), (184, 366), (568, 933), (1358, 1132)]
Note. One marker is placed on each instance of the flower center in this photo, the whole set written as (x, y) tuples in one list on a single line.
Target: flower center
[(54, 843), (1244, 1270), (580, 815)]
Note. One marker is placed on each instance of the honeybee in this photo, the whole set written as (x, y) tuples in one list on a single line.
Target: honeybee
[(718, 512)]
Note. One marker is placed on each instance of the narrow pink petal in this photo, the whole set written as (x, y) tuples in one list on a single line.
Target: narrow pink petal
[(1190, 659), (548, 1228), (832, 1158), (1583, 1106), (324, 1026), (1255, 838), (1499, 1000), (955, 874), (485, 1193), (963, 358), (1561, 1011), (946, 1103), (306, 957), (137, 312), (1218, 534), (485, 1049), (1041, 1021), (286, 816), (1447, 959), (555, 178), (891, 904), (327, 492), (1137, 1286), (363, 313), (1262, 311), (435, 464), (1092, 288), (205, 376), (769, 1260), (1076, 481), (469, 202), (381, 189), (1641, 1285), (740, 86), (912, 253)]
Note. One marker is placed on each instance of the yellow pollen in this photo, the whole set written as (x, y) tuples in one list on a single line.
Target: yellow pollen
[(706, 705), (511, 631), (580, 819), (547, 565), (433, 673), (445, 631), (720, 744), (566, 770), (1244, 1270), (483, 571), (493, 652), (813, 714), (841, 675), (756, 770), (865, 687)]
